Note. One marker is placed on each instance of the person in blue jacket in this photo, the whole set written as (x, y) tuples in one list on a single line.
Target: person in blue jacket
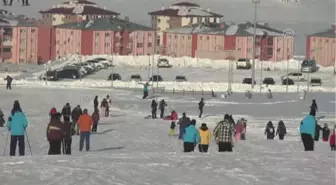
[(17, 124), (307, 131), (191, 137)]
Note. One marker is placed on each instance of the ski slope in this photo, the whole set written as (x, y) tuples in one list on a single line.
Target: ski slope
[(129, 150)]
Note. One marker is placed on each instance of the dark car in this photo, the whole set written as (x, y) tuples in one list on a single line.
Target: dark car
[(287, 81), (248, 81), (316, 82), (156, 78), (114, 76), (136, 77), (269, 81), (69, 72), (180, 79), (51, 75)]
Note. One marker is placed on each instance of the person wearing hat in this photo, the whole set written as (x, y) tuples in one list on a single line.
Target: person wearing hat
[(55, 134), (191, 137), (223, 133), (205, 138), (85, 123), (66, 112), (52, 111)]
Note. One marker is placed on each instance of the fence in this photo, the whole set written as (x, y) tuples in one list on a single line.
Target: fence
[(183, 92)]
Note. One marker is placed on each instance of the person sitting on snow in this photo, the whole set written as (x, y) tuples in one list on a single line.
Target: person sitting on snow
[(173, 116)]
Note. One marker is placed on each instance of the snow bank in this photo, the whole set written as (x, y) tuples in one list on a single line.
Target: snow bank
[(168, 86)]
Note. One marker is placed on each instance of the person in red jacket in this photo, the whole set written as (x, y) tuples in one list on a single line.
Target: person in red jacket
[(332, 141), (95, 118)]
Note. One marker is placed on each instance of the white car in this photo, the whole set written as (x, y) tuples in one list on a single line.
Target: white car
[(294, 76), (243, 63), (163, 63)]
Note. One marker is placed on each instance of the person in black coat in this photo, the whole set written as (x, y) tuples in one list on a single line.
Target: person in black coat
[(269, 130), (66, 112), (325, 133), (200, 107), (9, 82), (281, 130), (318, 129), (95, 103), (75, 114), (162, 107), (154, 109), (2, 119), (313, 108)]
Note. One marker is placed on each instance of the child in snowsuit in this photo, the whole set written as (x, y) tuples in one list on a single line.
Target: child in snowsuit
[(332, 141), (203, 146), (325, 133), (95, 118), (172, 128), (269, 130), (281, 130), (243, 134), (2, 120)]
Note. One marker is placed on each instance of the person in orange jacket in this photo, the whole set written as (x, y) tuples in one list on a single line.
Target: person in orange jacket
[(85, 122), (203, 146)]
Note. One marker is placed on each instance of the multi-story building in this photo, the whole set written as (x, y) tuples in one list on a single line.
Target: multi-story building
[(104, 36), (179, 15), (32, 42), (75, 11), (321, 47), (7, 21), (221, 41)]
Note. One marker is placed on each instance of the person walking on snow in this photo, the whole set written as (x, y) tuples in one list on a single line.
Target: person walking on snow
[(85, 122), (183, 122), (55, 134), (200, 107), (191, 137), (145, 90), (95, 103), (172, 128), (162, 107), (243, 134), (325, 133), (307, 131), (9, 82), (223, 133), (313, 108), (66, 112), (154, 109), (238, 130), (104, 107), (67, 140), (205, 135), (332, 141), (269, 130), (75, 114), (95, 118), (2, 119), (281, 130), (17, 124), (318, 129)]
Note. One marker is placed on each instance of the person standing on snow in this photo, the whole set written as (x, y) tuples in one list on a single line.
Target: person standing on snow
[(66, 112), (325, 133), (191, 137), (243, 134), (205, 135), (307, 131), (9, 82), (67, 140), (95, 103), (75, 114), (313, 108), (332, 141), (162, 107), (281, 130), (145, 90), (17, 124), (269, 130), (55, 134), (318, 129), (154, 109), (104, 107), (200, 107), (223, 133), (183, 122), (2, 119), (239, 127), (95, 118), (85, 122)]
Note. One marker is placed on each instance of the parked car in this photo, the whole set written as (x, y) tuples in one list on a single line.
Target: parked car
[(180, 79), (97, 64), (315, 82), (269, 81), (309, 66), (163, 63), (70, 72), (114, 76), (243, 63), (104, 61), (50, 75), (294, 76), (248, 81), (156, 78), (287, 81), (136, 77)]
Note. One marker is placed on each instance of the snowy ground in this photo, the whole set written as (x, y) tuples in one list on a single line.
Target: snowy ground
[(130, 150)]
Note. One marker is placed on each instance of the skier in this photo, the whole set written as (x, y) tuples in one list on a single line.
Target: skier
[(85, 122), (191, 137), (172, 128), (307, 131), (205, 135), (183, 122), (318, 129), (269, 130), (154, 109), (281, 130), (66, 112), (9, 82), (145, 90), (269, 94), (17, 124), (243, 134), (238, 130), (162, 107), (200, 107), (75, 114), (95, 103), (313, 108), (248, 94), (69, 131), (332, 141), (55, 134), (325, 133), (223, 133), (104, 107), (95, 118), (2, 119)]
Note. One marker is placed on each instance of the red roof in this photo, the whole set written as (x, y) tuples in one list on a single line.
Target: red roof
[(88, 10), (186, 4), (80, 2), (174, 13)]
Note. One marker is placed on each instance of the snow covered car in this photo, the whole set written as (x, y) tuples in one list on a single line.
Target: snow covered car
[(316, 82), (104, 61), (243, 63), (98, 65), (163, 63), (114, 76), (248, 81), (136, 77), (180, 79), (309, 66)]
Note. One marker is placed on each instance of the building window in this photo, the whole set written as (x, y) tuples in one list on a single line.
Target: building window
[(327, 41), (22, 50), (207, 37), (270, 41), (149, 45), (270, 51), (189, 37), (248, 49), (68, 39), (5, 50), (139, 45), (158, 20), (33, 30), (107, 44), (71, 33), (175, 36), (149, 34), (278, 50), (97, 34), (200, 37), (22, 30), (239, 49), (107, 34)]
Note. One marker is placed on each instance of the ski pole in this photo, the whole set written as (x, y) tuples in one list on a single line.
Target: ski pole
[(4, 151), (28, 143)]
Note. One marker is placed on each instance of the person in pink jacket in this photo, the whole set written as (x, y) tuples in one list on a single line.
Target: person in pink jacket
[(239, 129)]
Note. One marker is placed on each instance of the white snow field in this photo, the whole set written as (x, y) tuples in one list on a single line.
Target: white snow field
[(131, 150)]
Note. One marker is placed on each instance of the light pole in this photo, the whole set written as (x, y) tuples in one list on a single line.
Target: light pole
[(255, 2), (149, 66), (112, 69), (2, 31)]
